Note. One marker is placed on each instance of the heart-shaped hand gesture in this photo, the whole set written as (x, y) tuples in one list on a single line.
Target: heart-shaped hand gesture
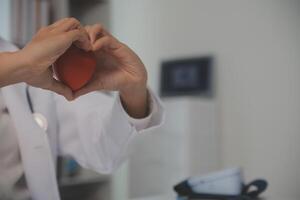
[(110, 66)]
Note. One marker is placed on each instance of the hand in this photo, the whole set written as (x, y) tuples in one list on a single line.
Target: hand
[(45, 48), (118, 69)]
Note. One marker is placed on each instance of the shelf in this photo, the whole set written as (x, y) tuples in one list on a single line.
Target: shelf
[(85, 177), (87, 2)]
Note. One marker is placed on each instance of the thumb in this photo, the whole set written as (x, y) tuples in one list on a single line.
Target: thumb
[(80, 38), (61, 89)]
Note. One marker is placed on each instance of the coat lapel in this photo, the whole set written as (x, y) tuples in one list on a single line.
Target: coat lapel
[(34, 146)]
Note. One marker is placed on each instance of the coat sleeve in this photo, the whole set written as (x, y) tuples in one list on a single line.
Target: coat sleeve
[(96, 131)]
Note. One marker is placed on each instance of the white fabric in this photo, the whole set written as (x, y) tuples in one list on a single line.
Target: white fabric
[(11, 169), (94, 129), (110, 125), (141, 124)]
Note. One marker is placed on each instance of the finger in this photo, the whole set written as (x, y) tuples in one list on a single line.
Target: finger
[(90, 87), (84, 41), (59, 22), (61, 89), (57, 86), (66, 25), (106, 42), (87, 27), (75, 35), (95, 32)]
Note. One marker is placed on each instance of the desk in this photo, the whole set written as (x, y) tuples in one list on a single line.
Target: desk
[(163, 197), (174, 198), (280, 198)]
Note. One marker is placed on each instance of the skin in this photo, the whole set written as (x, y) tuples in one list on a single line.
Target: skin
[(32, 64), (118, 67)]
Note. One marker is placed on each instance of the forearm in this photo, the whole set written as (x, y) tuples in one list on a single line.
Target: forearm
[(11, 68)]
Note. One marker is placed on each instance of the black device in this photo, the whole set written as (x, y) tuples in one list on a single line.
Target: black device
[(186, 77), (250, 191)]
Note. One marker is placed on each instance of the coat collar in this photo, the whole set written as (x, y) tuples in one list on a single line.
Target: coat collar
[(34, 146)]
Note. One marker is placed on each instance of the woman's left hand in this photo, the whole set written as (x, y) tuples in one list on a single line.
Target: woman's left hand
[(118, 69)]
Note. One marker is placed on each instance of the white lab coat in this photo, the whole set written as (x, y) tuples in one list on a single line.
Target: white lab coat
[(93, 129)]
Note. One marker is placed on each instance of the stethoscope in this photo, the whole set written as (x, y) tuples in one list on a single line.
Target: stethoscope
[(39, 118)]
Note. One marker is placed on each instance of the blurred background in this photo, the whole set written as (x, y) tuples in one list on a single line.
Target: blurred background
[(242, 108)]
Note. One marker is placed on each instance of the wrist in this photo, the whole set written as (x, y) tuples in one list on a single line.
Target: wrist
[(137, 87), (135, 100), (25, 66), (13, 70), (131, 92)]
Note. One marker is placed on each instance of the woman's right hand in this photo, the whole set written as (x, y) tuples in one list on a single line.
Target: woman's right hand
[(45, 48)]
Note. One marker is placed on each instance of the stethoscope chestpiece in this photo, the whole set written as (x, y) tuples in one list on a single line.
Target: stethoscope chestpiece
[(41, 120)]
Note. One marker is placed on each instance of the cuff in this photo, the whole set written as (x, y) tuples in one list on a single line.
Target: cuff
[(142, 123)]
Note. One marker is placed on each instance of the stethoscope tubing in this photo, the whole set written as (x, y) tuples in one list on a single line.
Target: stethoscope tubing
[(29, 101)]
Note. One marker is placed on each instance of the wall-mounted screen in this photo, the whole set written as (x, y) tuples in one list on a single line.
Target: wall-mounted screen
[(187, 77)]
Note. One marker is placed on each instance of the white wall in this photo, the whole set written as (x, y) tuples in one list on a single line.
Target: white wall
[(5, 19), (257, 47), (180, 148), (259, 68)]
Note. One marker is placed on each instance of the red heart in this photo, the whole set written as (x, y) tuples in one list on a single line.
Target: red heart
[(75, 67)]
